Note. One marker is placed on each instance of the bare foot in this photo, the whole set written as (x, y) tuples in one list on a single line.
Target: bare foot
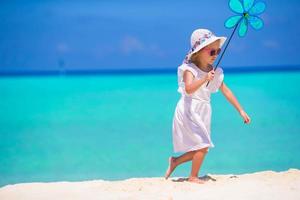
[(196, 180), (171, 167)]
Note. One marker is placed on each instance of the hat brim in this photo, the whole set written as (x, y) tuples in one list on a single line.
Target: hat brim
[(208, 42)]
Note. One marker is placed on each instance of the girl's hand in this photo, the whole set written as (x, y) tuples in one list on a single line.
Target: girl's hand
[(245, 117), (210, 75)]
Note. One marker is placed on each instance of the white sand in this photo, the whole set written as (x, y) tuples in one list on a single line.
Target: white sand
[(255, 186)]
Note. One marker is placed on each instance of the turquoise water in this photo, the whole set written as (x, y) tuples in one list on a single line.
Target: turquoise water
[(113, 127)]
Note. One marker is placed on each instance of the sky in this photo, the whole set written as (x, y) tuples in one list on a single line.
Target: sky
[(110, 34)]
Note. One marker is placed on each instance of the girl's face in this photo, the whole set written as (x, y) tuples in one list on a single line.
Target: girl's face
[(204, 55)]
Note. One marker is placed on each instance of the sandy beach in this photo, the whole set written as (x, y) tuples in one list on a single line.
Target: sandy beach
[(258, 185)]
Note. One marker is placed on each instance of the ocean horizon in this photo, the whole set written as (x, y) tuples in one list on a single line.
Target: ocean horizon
[(143, 70)]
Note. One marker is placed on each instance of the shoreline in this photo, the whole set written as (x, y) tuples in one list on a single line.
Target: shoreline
[(258, 185)]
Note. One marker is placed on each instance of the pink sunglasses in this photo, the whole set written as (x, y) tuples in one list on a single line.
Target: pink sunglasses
[(213, 51)]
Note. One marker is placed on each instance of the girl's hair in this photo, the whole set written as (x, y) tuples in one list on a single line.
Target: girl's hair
[(193, 56)]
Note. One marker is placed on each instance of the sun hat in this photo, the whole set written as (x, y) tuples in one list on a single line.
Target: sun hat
[(199, 39)]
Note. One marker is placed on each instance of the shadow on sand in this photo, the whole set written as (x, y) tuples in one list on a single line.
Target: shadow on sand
[(204, 178)]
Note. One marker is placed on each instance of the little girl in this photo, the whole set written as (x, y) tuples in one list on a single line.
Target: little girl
[(192, 116)]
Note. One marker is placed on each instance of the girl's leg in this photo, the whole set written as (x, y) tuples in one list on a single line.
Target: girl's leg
[(196, 164), (175, 161), (184, 157)]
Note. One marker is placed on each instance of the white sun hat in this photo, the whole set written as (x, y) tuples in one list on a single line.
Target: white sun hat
[(199, 39)]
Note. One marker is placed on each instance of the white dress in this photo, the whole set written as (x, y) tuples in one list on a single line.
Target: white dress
[(192, 116)]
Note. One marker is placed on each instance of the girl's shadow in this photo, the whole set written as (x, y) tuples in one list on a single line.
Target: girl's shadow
[(204, 178)]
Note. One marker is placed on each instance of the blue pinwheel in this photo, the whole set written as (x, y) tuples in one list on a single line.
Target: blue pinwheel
[(247, 12)]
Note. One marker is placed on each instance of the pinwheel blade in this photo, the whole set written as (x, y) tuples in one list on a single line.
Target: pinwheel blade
[(236, 6), (232, 21), (248, 4), (243, 28), (258, 8), (256, 22)]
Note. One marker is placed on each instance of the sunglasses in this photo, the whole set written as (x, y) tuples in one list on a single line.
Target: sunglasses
[(213, 52)]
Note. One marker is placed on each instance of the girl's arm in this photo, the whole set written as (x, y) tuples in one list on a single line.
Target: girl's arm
[(191, 84), (232, 99)]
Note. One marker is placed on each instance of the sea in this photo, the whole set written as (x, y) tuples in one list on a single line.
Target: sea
[(119, 126)]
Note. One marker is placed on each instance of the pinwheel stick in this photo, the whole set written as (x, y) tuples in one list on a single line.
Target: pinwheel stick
[(226, 47)]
